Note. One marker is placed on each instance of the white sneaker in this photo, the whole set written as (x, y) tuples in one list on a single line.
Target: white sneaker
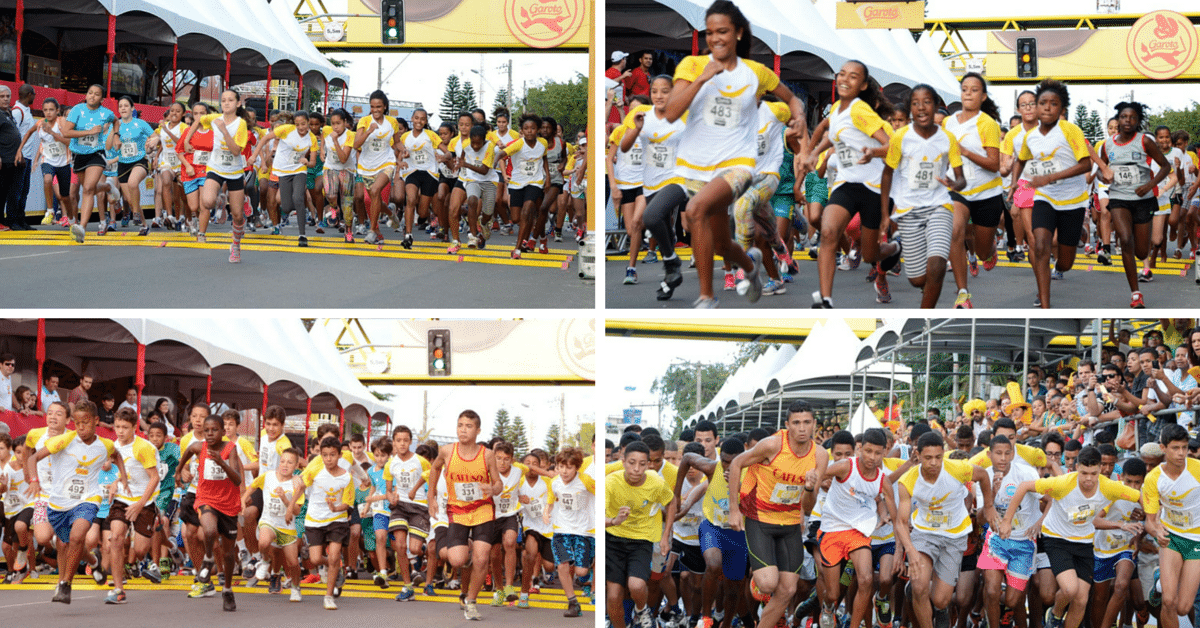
[(472, 242), (263, 570), (296, 597), (330, 605)]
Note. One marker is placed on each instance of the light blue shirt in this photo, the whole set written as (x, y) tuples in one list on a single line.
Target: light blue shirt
[(85, 119), (106, 478), (48, 398), (133, 136)]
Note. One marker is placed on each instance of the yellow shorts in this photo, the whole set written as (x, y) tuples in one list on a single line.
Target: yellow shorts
[(283, 538)]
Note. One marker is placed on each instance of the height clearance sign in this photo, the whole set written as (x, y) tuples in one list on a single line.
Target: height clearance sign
[(458, 24), (1160, 46)]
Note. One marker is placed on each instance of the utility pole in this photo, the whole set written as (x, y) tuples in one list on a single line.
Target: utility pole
[(425, 414), (699, 367), (509, 104), (380, 74), (562, 419), (482, 101)]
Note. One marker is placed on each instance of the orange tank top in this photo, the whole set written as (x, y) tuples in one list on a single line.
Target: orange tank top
[(771, 492), (464, 487)]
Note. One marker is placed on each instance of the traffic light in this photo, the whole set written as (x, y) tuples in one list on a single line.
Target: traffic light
[(391, 21), (1027, 57), (439, 352)]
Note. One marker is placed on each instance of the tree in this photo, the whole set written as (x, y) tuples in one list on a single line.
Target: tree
[(750, 351), (519, 440), (1184, 120), (1089, 123), (451, 99), (503, 428), (467, 100), (584, 439), (677, 389), (553, 440), (500, 101), (565, 102)]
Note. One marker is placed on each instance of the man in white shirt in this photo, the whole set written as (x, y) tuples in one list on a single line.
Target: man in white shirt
[(130, 401), (49, 391), (25, 121), (8, 365)]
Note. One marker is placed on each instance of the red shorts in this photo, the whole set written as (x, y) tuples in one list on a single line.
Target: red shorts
[(836, 546)]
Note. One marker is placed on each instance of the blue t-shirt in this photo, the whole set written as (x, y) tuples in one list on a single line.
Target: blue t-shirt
[(133, 136), (381, 488), (110, 161), (106, 478), (84, 119)]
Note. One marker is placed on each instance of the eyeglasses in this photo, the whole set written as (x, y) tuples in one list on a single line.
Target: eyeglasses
[(1027, 105), (1111, 375), (10, 364)]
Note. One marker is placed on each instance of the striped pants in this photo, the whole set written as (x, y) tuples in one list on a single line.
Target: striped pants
[(926, 232)]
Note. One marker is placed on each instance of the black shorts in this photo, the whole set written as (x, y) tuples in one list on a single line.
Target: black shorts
[(187, 510), (234, 185), (458, 185), (226, 524), (144, 525), (1065, 556), (517, 197), (124, 170), (626, 558), (969, 562), (411, 517), (504, 524), (459, 534), (256, 500), (543, 545), (444, 180), (689, 556), (985, 212), (10, 525), (426, 184), (62, 174), (1141, 210), (90, 160), (773, 545), (1067, 222), (857, 198), (336, 532), (628, 197), (1177, 199), (557, 186)]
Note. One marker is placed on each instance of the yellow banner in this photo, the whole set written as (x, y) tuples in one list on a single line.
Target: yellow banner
[(1161, 45), (909, 15), (431, 24)]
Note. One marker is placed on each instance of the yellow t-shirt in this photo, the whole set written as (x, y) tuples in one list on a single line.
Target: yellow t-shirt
[(645, 504)]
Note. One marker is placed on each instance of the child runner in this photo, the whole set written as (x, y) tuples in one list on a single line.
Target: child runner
[(330, 493), (133, 508), (626, 169), (295, 152), (570, 510), (381, 450), (529, 164), (477, 178), (377, 140), (422, 149), (87, 126), (218, 476), (282, 492), (18, 510), (1009, 561), (404, 479), (226, 166), (132, 165), (535, 493), (1115, 566), (1173, 521), (633, 501), (340, 163)]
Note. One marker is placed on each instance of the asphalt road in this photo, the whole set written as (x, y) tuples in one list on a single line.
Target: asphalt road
[(1087, 285), (362, 604), (170, 270)]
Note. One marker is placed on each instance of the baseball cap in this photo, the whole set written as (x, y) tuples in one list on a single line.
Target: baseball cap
[(618, 55)]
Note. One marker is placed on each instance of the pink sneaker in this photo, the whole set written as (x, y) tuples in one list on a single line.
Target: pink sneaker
[(235, 253)]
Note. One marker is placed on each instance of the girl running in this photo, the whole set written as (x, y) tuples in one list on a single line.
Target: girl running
[(377, 138), (529, 168), (1166, 214), (1101, 214), (556, 161), (1020, 195), (1055, 158), (339, 168), (225, 166), (914, 177), (858, 133), (87, 126), (720, 93), (978, 134), (626, 162), (193, 152), (1131, 201), (56, 158), (170, 130), (447, 178), (422, 147), (661, 185), (295, 152), (132, 166)]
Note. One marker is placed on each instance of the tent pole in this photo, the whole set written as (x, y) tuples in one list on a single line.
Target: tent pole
[(864, 394), (299, 90), (971, 368), (41, 354), (140, 379), (1025, 358), (264, 408), (777, 58), (208, 390), (174, 71), (345, 88), (327, 109), (954, 380), (17, 76), (307, 416), (779, 411), (891, 391), (928, 360), (1096, 346), (112, 52), (849, 400), (228, 59), (267, 98), (695, 42), (342, 422)]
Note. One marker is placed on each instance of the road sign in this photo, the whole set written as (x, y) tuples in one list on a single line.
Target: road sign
[(632, 416)]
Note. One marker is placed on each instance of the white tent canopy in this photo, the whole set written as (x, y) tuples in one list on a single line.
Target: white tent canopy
[(863, 420)]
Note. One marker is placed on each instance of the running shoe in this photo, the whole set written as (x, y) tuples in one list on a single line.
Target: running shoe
[(651, 258), (235, 253), (296, 596), (1102, 257), (672, 279), (200, 589), (78, 232), (302, 242), (194, 228), (406, 594), (407, 242), (523, 600), (1146, 276), (472, 241), (820, 302), (827, 619), (429, 591), (330, 605), (643, 618), (630, 276), (124, 220), (274, 585), (275, 230), (855, 258), (470, 612), (98, 573), (558, 235), (787, 262), (62, 593), (892, 260), (883, 609), (373, 238), (145, 230), (516, 254), (705, 304), (201, 238), (991, 262), (1006, 618), (1012, 255), (115, 597), (872, 273), (349, 237), (843, 262), (752, 286), (1137, 302), (573, 609), (48, 218), (227, 602), (773, 287), (153, 574), (339, 583), (882, 294), (497, 598), (973, 264), (103, 228), (545, 250), (380, 580), (1057, 274), (730, 282), (454, 247), (963, 301)]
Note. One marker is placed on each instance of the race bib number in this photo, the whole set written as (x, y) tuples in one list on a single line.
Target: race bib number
[(468, 491), (12, 499), (420, 158), (635, 156), (275, 506), (171, 158), (223, 158), (1127, 175), (569, 501), (1178, 519), (762, 145), (89, 141), (377, 144), (846, 155), (213, 471), (937, 519), (662, 156), (54, 150), (922, 177), (970, 170), (129, 149), (689, 521), (786, 494), (405, 482), (445, 170), (529, 167), (1042, 167), (1082, 514), (76, 488), (722, 111), (506, 504), (536, 508), (200, 158)]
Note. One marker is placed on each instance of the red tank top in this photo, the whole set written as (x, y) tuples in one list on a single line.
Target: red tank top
[(219, 492), (201, 141)]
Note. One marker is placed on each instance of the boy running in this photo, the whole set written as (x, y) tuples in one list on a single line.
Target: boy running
[(330, 493), (569, 508), (1173, 519), (633, 501), (282, 493), (133, 507), (1009, 560), (218, 476), (403, 477), (18, 510)]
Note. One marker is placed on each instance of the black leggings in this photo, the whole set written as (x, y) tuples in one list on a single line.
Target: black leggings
[(291, 196), (659, 217)]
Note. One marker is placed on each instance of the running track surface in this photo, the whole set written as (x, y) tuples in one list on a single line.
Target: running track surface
[(1087, 285), (170, 269), (361, 604)]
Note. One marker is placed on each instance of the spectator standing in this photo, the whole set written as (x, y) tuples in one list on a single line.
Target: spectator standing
[(8, 365), (10, 169), (80, 392), (49, 391)]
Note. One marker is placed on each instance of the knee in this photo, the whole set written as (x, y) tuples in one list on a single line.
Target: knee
[(1120, 589), (1072, 590), (920, 587), (866, 580)]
